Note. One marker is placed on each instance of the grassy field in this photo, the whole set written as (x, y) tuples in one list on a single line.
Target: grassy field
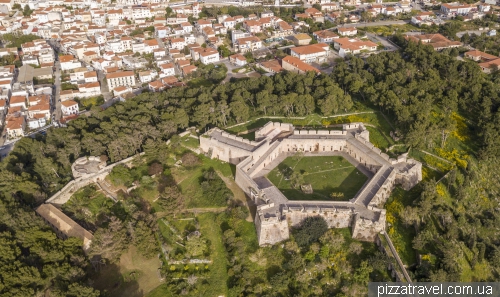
[(133, 276), (199, 82), (325, 174), (214, 282), (378, 139), (190, 142)]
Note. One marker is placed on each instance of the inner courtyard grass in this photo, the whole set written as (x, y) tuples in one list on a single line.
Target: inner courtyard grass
[(326, 174)]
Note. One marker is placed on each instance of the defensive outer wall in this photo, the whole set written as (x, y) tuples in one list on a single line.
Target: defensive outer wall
[(275, 141), (84, 177)]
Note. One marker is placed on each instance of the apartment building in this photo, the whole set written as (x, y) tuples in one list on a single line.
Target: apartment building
[(311, 53), (120, 78), (69, 107), (296, 65), (456, 8), (248, 44), (353, 46), (348, 31), (325, 36), (209, 56), (69, 62)]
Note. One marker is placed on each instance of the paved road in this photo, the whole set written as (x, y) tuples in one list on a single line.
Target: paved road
[(106, 93), (57, 92), (5, 150), (388, 45), (372, 24), (477, 32), (160, 42)]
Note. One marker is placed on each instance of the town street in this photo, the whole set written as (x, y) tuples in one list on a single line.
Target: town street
[(57, 92), (371, 24)]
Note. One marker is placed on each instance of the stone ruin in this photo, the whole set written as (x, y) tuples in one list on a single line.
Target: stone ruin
[(275, 141), (306, 188), (86, 166)]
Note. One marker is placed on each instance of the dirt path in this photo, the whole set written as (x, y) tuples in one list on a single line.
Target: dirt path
[(442, 159), (238, 194), (197, 210), (326, 170), (205, 209), (298, 118)]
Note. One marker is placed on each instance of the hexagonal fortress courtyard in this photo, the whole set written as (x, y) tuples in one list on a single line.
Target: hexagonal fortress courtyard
[(337, 165), (331, 177)]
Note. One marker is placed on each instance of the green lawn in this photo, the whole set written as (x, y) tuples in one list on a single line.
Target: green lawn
[(378, 139), (325, 174), (199, 82), (190, 142)]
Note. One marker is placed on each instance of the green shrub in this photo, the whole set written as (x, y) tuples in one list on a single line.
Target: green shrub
[(312, 228)]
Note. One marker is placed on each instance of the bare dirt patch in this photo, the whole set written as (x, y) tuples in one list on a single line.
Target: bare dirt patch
[(132, 276)]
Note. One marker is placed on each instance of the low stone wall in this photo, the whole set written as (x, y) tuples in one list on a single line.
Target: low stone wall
[(63, 195)]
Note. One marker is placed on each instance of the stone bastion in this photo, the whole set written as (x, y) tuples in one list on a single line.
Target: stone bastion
[(275, 141)]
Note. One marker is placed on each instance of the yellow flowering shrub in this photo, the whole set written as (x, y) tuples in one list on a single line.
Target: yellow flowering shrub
[(441, 191), (461, 131), (425, 173), (355, 118), (455, 156), (436, 163), (393, 208)]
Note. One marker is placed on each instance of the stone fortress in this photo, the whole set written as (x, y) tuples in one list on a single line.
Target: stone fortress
[(276, 141)]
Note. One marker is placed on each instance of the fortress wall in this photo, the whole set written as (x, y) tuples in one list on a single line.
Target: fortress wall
[(365, 134), (367, 230), (352, 126), (63, 195), (222, 151), (261, 150), (262, 161), (205, 144), (410, 178), (262, 132), (362, 157), (367, 143), (385, 190), (239, 139), (319, 132), (284, 126), (334, 219), (271, 230), (311, 145), (245, 183)]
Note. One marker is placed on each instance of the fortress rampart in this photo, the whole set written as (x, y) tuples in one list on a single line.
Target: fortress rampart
[(83, 179), (275, 141)]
